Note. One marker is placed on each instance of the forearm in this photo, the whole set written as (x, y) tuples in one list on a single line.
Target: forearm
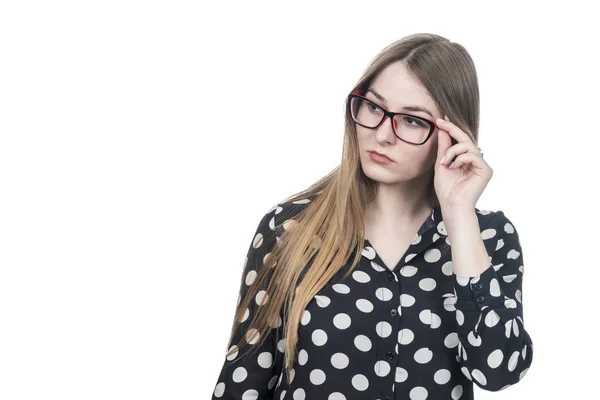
[(469, 255)]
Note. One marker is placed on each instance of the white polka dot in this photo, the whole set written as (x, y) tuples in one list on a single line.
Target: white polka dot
[(219, 389), (299, 394), (361, 277), (258, 240), (466, 373), (495, 358), (495, 288), (518, 296), (319, 337), (524, 352), (342, 321), (341, 288), (516, 328), (252, 336), (478, 375), (382, 368), (427, 284), (442, 377), (340, 360), (449, 304), (261, 298), (425, 317), (234, 354), (406, 300), (364, 305), (384, 329), (384, 294), (523, 373), (432, 255), (250, 277), (457, 392), (250, 394), (292, 375), (436, 321), (462, 280), (272, 382), (283, 392), (305, 317), (508, 328), (265, 359), (488, 233), (405, 336), (302, 357), (239, 374), (447, 268), (451, 340), (401, 375), (362, 343), (473, 340), (336, 396), (492, 318), (276, 322), (368, 252), (377, 267), (460, 317), (512, 361), (322, 301), (317, 376), (245, 316), (408, 271), (360, 382), (418, 393), (423, 355), (281, 345)]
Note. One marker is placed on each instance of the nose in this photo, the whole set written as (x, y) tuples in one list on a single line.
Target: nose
[(385, 132)]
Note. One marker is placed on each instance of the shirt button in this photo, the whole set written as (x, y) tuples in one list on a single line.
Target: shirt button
[(391, 277), (389, 355), (478, 286), (393, 311), (480, 299)]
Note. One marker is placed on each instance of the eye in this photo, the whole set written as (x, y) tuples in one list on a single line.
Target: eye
[(414, 122), (373, 107)]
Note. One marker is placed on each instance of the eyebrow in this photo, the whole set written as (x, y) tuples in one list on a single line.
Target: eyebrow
[(407, 108)]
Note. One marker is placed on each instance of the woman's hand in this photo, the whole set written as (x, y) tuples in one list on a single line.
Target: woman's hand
[(458, 186)]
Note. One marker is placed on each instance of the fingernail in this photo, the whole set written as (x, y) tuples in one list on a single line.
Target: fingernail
[(442, 160), (451, 165)]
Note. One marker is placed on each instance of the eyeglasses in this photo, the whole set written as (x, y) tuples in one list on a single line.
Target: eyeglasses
[(407, 127)]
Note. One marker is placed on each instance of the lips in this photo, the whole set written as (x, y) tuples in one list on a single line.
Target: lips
[(382, 155)]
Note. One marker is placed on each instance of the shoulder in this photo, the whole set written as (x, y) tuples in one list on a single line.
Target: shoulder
[(279, 216)]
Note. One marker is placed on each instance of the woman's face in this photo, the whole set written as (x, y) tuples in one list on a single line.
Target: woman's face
[(394, 89)]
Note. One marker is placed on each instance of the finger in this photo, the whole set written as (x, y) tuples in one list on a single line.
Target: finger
[(468, 159), (453, 130), (444, 143), (458, 148)]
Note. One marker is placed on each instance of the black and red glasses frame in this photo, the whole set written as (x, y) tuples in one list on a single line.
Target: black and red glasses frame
[(391, 115)]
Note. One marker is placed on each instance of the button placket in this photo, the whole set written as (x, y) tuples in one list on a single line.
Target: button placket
[(388, 344)]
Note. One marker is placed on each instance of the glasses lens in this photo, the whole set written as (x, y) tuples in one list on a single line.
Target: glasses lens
[(410, 128)]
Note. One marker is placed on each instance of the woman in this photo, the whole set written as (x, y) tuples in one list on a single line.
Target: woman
[(383, 280)]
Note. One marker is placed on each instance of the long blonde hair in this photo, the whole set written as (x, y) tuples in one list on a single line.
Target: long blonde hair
[(330, 229)]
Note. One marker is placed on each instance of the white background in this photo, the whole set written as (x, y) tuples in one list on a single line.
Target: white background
[(141, 143)]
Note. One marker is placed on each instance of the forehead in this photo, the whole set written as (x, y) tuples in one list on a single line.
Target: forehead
[(401, 89)]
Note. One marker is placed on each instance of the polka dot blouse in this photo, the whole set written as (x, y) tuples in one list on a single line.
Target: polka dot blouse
[(416, 331)]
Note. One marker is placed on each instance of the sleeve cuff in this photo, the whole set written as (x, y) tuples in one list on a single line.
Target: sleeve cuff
[(475, 293)]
